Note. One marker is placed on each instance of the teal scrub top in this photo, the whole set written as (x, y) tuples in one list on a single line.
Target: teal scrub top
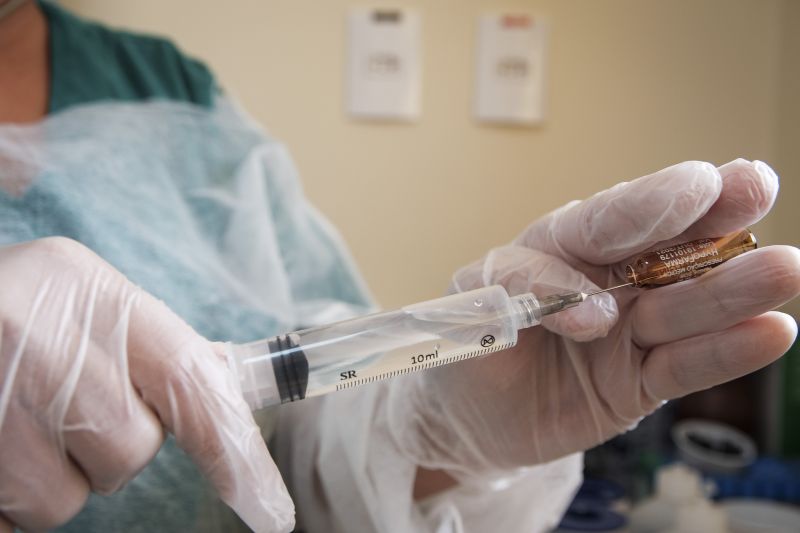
[(90, 62)]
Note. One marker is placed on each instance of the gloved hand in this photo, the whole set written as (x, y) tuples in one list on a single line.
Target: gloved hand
[(594, 371), (91, 369)]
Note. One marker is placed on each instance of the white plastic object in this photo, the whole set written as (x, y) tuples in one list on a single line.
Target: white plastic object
[(511, 67), (713, 446), (701, 516), (680, 504), (679, 484), (760, 516), (383, 63)]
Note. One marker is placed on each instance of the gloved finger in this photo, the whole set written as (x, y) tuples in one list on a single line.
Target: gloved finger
[(686, 366), (181, 377), (743, 287), (84, 394), (522, 270), (748, 193), (629, 217), (110, 440), (40, 486), (108, 430)]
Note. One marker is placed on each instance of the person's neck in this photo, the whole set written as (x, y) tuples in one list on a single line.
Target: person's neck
[(24, 65)]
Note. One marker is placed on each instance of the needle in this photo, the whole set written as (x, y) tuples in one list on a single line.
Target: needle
[(609, 289), (560, 302)]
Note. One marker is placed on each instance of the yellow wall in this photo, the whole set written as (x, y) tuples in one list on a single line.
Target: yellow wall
[(635, 85), (788, 113), (786, 220)]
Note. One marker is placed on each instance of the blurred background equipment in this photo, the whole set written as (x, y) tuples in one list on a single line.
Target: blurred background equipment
[(383, 64), (713, 447), (511, 68)]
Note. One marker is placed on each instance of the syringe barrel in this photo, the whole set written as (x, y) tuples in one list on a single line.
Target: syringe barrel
[(361, 350)]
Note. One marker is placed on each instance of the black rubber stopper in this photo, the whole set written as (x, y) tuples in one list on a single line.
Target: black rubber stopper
[(291, 368)]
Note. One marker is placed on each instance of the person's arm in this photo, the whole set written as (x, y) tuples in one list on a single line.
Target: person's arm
[(594, 371), (93, 370), (357, 458)]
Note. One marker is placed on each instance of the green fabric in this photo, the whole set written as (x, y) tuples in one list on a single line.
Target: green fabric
[(90, 63), (790, 402)]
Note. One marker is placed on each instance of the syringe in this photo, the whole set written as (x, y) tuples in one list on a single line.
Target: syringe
[(342, 355)]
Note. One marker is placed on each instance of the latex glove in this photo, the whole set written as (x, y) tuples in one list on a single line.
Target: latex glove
[(91, 369), (594, 371)]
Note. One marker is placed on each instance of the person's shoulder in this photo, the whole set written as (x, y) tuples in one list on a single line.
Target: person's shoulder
[(92, 62), (161, 67)]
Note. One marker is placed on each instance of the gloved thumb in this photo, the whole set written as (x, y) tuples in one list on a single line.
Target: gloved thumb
[(181, 376), (520, 270)]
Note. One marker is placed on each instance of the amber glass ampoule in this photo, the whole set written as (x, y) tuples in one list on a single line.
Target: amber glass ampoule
[(687, 260)]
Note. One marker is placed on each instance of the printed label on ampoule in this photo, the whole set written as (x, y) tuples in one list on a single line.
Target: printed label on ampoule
[(688, 260)]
